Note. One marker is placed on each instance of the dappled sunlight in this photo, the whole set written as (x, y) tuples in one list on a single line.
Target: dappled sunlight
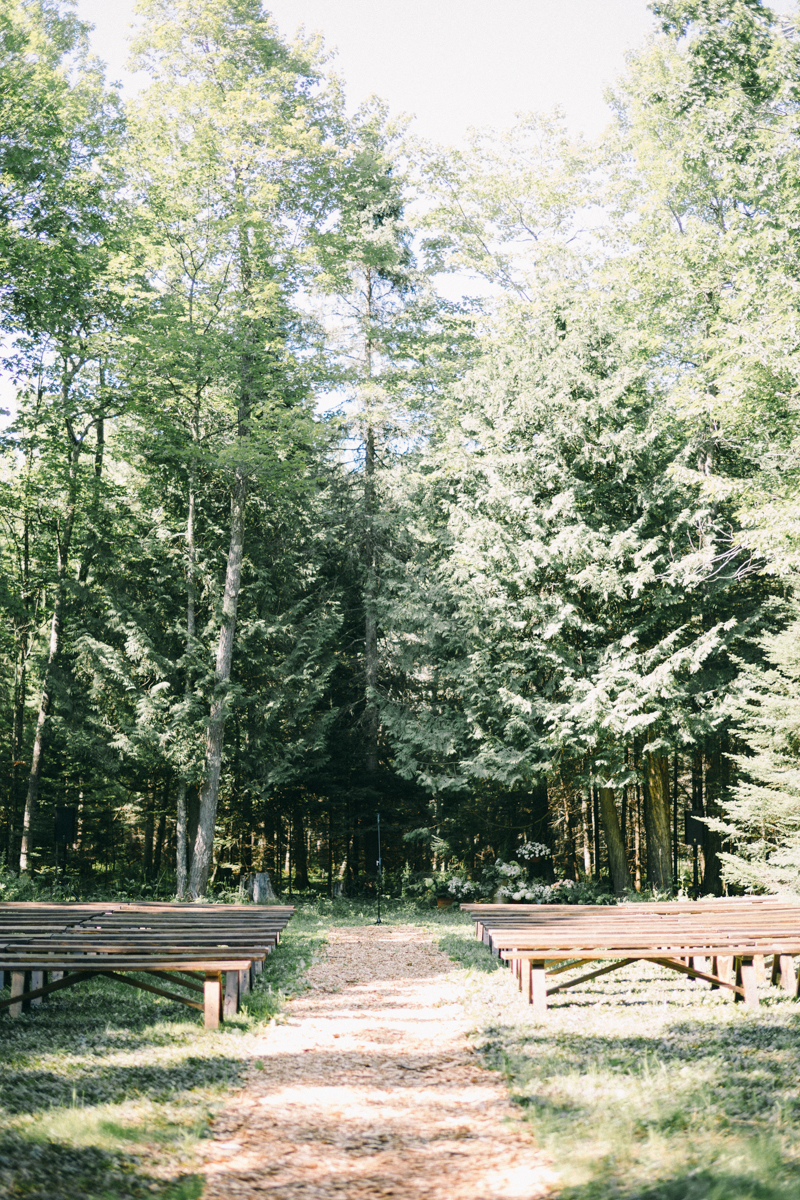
[(371, 1089)]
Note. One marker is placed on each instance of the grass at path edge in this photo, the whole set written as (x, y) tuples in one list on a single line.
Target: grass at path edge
[(643, 1085)]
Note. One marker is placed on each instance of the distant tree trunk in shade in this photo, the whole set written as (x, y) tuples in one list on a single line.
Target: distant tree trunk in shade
[(656, 820), (41, 737), (159, 846), (299, 848), (617, 858)]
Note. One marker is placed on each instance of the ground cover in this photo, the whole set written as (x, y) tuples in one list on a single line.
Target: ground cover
[(645, 1085), (108, 1092), (371, 1088), (638, 1086)]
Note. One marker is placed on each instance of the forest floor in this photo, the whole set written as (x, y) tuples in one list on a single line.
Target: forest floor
[(372, 1089), (638, 1086)]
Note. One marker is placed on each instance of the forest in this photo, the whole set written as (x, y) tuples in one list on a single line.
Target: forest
[(354, 487)]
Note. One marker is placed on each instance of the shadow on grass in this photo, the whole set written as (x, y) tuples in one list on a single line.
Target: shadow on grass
[(704, 1184), (53, 1171), (36, 1091)]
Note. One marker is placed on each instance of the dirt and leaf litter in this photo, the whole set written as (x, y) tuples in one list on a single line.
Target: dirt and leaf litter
[(370, 1088)]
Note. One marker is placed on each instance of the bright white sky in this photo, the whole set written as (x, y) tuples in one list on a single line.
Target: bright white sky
[(452, 63)]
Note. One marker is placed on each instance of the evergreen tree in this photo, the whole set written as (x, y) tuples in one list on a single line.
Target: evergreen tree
[(761, 816), (234, 138)]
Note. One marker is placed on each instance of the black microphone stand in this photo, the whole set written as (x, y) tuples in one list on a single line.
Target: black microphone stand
[(380, 868)]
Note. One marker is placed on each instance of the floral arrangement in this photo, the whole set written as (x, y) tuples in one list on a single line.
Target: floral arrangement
[(538, 893), (463, 889), (530, 850), (509, 870)]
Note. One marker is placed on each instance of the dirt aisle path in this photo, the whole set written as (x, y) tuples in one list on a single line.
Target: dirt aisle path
[(371, 1090)]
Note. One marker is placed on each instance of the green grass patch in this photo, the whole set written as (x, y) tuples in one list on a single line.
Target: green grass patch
[(646, 1086), (105, 1092)]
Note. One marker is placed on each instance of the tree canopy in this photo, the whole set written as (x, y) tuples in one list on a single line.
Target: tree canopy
[(290, 539)]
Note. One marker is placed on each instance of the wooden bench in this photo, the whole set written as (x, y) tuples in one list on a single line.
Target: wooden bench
[(47, 947), (722, 942)]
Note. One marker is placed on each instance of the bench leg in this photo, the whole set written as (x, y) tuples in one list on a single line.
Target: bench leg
[(38, 980), (699, 963), (18, 988), (746, 979), (783, 973), (525, 980), (760, 965), (722, 965), (244, 982), (538, 987), (212, 1000), (231, 1005)]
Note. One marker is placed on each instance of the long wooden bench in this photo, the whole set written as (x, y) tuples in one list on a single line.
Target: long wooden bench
[(724, 942), (47, 947)]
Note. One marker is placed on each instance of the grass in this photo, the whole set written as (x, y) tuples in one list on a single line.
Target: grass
[(642, 1085), (645, 1086), (106, 1091)]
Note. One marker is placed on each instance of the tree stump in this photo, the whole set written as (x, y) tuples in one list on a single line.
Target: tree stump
[(259, 888)]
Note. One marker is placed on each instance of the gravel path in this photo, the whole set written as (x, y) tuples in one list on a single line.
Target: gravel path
[(371, 1090)]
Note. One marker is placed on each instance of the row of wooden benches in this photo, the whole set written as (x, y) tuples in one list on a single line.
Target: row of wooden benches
[(724, 942), (212, 952)]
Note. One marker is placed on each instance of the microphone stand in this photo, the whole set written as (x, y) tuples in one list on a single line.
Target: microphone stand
[(380, 869)]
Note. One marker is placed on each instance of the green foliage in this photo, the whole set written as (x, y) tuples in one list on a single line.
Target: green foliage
[(761, 819), (532, 551)]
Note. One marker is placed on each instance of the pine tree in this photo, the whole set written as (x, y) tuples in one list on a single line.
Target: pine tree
[(760, 821)]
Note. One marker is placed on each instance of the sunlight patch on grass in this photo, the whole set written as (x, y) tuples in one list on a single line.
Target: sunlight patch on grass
[(643, 1085)]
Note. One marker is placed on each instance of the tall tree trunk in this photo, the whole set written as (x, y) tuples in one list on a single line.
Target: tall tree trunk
[(71, 369), (637, 824), (371, 709), (181, 831), (160, 833), (209, 792), (571, 830), (656, 820), (617, 858), (587, 854), (17, 737), (675, 816), (181, 838), (149, 831), (42, 724), (215, 732), (299, 848)]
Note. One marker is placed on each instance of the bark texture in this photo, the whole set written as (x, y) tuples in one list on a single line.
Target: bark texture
[(64, 543), (209, 793), (656, 819), (617, 858)]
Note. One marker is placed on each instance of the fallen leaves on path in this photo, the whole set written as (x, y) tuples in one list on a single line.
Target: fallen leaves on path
[(372, 1090)]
